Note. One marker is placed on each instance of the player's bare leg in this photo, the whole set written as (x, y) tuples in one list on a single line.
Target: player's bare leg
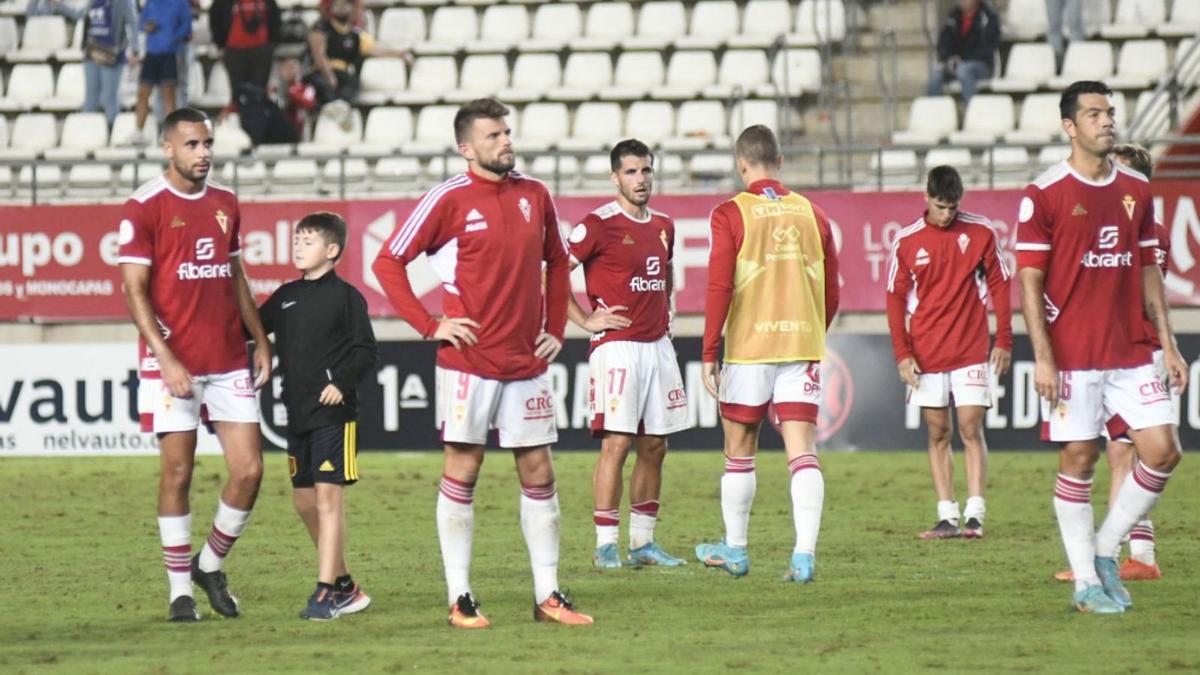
[(975, 452), (645, 487), (305, 501), (738, 485), (606, 494), (176, 459), (456, 530), (331, 542), (940, 426), (808, 495)]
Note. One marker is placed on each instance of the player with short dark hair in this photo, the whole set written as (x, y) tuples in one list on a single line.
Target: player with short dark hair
[(773, 290), (487, 233), (943, 269), (188, 295), (636, 394), (1086, 253), (326, 347)]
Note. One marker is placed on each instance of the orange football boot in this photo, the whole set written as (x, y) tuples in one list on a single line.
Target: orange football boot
[(558, 609)]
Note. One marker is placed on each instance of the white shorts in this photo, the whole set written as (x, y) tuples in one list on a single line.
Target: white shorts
[(748, 388), (227, 397), (636, 388), (969, 385), (469, 406), (1160, 370), (1097, 403)]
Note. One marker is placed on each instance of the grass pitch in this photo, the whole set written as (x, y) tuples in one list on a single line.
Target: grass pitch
[(85, 589)]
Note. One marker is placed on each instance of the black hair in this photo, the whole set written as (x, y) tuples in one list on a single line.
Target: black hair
[(331, 227), (480, 108), (630, 147), (1068, 105), (945, 184)]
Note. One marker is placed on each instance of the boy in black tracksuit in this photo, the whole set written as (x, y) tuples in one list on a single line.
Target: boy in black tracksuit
[(326, 346)]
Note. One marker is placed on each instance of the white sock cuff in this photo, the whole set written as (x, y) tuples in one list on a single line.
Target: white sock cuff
[(175, 530), (230, 520)]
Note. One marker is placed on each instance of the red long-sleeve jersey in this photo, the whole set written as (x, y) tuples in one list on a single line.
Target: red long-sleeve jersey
[(487, 241)]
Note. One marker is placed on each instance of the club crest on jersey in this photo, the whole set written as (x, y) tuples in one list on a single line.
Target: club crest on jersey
[(222, 220), (922, 257), (1130, 204), (526, 211), (177, 222), (963, 241)]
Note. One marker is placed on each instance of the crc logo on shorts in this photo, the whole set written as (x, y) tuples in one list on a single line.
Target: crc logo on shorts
[(244, 387), (977, 376), (540, 403), (676, 398), (1154, 391), (205, 248)]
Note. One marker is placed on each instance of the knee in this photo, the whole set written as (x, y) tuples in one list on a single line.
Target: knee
[(177, 476), (939, 435), (616, 447), (1167, 460), (248, 474), (654, 450), (970, 432)]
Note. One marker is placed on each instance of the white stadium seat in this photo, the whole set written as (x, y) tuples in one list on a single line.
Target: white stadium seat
[(543, 125), (401, 27), (803, 72), (294, 175), (123, 127), (1025, 19), (68, 89), (482, 75), (930, 119), (82, 133), (43, 36), (29, 84), (388, 129), (699, 124), (217, 91), (637, 74), (435, 130), (713, 166), (229, 139), (3, 132), (818, 21), (597, 125), (746, 69), (352, 170), (1030, 65), (329, 136), (396, 173), (959, 158), (897, 168), (1040, 121), (688, 73), (762, 22), (1052, 154), (133, 174), (503, 27), (1086, 60), (89, 180), (650, 121), (49, 180), (608, 23), (554, 25), (431, 79), (32, 134), (1139, 64), (659, 23), (751, 112), (245, 177), (1136, 18), (712, 24), (988, 117), (1096, 15), (585, 75), (195, 81), (380, 79), (533, 75), (597, 171), (9, 38), (1154, 114), (451, 29), (1006, 165), (1185, 19)]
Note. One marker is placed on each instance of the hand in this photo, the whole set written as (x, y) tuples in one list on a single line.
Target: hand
[(134, 59), (711, 375), (606, 318), (331, 395), (262, 364), (547, 347), (1001, 359), (457, 331), (149, 26), (176, 377), (1177, 369), (910, 372), (952, 63), (1046, 382)]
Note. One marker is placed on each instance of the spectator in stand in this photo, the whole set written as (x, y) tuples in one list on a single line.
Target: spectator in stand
[(1055, 9), (293, 95), (966, 48), (168, 26), (246, 31), (358, 15), (53, 7), (109, 41)]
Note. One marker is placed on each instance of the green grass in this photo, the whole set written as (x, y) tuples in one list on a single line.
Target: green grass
[(85, 590)]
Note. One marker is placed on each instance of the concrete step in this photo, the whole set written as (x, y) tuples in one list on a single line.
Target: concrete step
[(900, 15), (862, 71)]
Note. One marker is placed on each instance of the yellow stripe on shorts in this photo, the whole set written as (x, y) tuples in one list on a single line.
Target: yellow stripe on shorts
[(350, 451)]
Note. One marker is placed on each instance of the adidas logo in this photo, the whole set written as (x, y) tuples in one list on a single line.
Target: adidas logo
[(474, 215), (326, 466), (475, 221), (922, 257), (1079, 210), (627, 240)]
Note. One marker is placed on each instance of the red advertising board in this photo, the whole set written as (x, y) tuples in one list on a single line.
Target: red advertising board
[(58, 263)]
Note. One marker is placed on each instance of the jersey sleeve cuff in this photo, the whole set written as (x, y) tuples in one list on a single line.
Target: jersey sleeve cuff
[(1037, 259), (1149, 255), (134, 260)]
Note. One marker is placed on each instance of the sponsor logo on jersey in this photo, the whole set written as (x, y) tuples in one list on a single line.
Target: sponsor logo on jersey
[(1079, 210), (1109, 234), (475, 221), (653, 265), (1107, 238), (178, 222), (782, 327), (526, 210), (922, 257), (222, 220), (774, 209), (644, 285), (205, 248), (1130, 204), (963, 242), (190, 271)]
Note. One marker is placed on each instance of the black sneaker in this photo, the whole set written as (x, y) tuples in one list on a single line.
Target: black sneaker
[(183, 608), (973, 530), (216, 586), (943, 530), (320, 606)]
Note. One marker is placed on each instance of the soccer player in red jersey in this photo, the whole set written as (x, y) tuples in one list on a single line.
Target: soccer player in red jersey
[(1086, 253), (1141, 564), (636, 392), (487, 233), (943, 269), (187, 293)]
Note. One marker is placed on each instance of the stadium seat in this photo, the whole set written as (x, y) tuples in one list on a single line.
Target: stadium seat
[(753, 111), (1121, 110), (650, 121), (245, 177), (637, 74), (380, 79), (713, 22), (329, 138), (1006, 165), (532, 76), (124, 125), (597, 125), (451, 29), (1085, 60), (271, 152), (597, 172), (202, 39), (229, 139), (542, 126), (608, 23), (930, 119), (1030, 65), (1153, 114), (554, 26), (585, 75), (133, 174), (401, 27), (482, 75), (89, 181), (1139, 64), (387, 130), (959, 158), (431, 79), (762, 22), (29, 85), (1040, 121), (988, 117), (741, 69), (503, 27), (8, 36), (43, 35), (1052, 154), (699, 124), (560, 172), (716, 166), (49, 180), (803, 72), (1025, 19), (396, 174), (893, 168), (294, 175), (68, 89), (688, 73), (195, 81), (73, 53), (217, 92), (435, 130), (82, 133), (1135, 19), (659, 23), (818, 21), (1185, 20), (352, 170), (32, 134), (3, 132)]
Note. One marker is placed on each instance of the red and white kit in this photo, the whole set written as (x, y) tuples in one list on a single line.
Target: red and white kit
[(487, 241), (635, 385), (1092, 240), (940, 279), (188, 242)]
